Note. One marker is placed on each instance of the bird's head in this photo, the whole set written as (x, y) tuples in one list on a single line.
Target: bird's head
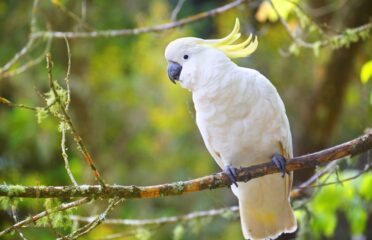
[(191, 59)]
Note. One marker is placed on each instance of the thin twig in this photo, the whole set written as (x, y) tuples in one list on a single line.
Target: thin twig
[(177, 9), (28, 64), (67, 119), (33, 26), (29, 44), (163, 220), (136, 31), (67, 77), (66, 105), (297, 40), (65, 156), (218, 180), (15, 105), (18, 55), (34, 218), (14, 215), (300, 190), (95, 222), (367, 167), (73, 16), (83, 10), (126, 234), (326, 9)]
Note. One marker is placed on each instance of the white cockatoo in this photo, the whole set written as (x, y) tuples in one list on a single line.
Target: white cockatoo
[(242, 120)]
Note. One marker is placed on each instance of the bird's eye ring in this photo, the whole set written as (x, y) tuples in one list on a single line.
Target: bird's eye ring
[(185, 57)]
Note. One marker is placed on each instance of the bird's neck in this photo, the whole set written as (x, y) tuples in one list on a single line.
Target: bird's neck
[(212, 83), (214, 78)]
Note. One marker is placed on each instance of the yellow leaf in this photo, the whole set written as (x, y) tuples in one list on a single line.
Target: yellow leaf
[(56, 2), (266, 12), (366, 72)]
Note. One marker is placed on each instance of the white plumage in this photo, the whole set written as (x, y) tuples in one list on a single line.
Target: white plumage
[(242, 120)]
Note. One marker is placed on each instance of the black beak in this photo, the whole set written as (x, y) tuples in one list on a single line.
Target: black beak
[(174, 71)]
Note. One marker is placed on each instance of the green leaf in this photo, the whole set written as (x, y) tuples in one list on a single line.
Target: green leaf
[(294, 49), (366, 72), (366, 186), (178, 232), (357, 217), (324, 223)]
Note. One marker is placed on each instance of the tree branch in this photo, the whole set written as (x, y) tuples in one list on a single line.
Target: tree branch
[(361, 31), (163, 220), (45, 213), (66, 119), (136, 31), (218, 180), (227, 212)]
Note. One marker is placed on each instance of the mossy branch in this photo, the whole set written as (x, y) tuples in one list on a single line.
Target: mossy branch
[(218, 180)]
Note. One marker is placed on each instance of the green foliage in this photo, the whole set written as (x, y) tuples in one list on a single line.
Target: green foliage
[(349, 36), (350, 198)]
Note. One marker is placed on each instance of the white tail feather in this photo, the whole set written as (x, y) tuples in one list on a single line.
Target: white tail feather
[(265, 210)]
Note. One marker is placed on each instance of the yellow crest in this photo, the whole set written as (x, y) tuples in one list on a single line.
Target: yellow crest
[(231, 50)]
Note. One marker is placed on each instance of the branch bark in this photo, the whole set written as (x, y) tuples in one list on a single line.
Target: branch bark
[(218, 180)]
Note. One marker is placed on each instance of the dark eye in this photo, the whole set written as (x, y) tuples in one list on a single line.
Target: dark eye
[(185, 57)]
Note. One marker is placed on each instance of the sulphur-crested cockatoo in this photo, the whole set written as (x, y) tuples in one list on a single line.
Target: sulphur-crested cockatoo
[(242, 120)]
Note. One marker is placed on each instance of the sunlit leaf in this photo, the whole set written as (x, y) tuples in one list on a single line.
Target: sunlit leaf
[(366, 186), (357, 217), (178, 232), (366, 72), (267, 13)]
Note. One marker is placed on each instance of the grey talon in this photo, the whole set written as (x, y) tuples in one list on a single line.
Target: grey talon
[(280, 162), (230, 171)]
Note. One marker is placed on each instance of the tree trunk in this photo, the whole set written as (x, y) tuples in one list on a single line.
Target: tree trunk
[(327, 101)]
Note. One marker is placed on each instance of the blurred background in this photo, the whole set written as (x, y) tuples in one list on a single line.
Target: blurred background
[(140, 128)]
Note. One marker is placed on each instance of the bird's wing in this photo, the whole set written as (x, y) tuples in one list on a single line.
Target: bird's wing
[(285, 146), (285, 136)]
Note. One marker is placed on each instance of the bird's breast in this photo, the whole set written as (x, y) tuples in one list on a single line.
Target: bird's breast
[(237, 124)]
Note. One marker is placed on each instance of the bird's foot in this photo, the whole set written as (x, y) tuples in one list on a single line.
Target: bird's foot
[(279, 162), (230, 171)]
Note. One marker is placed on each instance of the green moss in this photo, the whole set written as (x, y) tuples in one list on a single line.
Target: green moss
[(179, 187), (15, 190), (58, 219), (5, 203)]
